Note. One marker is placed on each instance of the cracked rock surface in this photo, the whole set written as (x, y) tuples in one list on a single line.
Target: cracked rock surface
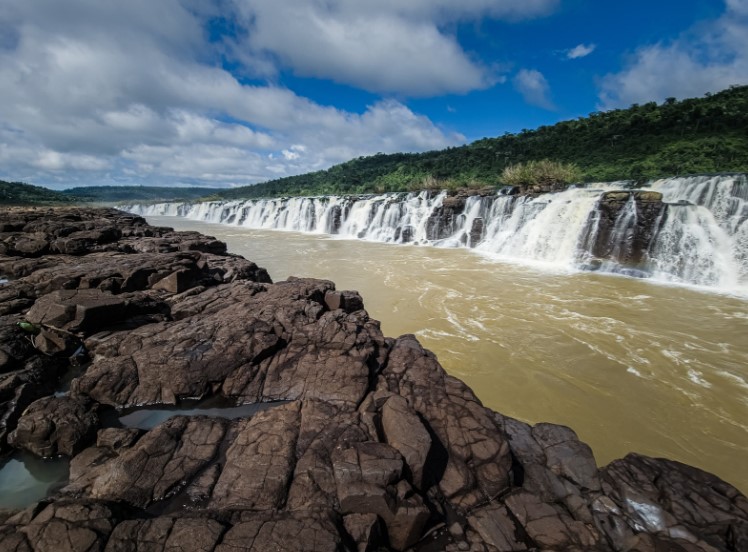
[(368, 444)]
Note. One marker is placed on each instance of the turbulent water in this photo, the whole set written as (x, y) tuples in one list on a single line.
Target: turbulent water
[(630, 364), (701, 237)]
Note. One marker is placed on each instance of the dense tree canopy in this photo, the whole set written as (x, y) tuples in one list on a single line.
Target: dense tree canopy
[(700, 135), (17, 193), (142, 193)]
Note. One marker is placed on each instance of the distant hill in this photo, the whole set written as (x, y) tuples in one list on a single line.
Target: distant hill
[(693, 136), (17, 193), (108, 194)]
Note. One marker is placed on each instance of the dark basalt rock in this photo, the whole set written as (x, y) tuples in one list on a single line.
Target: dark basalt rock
[(55, 426), (377, 447), (629, 250)]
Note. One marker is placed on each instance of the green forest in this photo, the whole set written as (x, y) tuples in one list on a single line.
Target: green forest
[(692, 136), (18, 193), (142, 193)]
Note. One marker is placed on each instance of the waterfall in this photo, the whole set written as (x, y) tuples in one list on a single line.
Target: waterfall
[(703, 238), (691, 230), (546, 229)]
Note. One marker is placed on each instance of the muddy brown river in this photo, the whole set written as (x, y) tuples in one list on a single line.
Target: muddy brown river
[(629, 364)]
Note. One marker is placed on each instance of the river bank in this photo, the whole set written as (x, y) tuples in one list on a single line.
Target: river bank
[(372, 446), (631, 364)]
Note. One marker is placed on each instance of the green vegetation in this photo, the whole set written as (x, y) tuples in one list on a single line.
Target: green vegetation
[(140, 193), (694, 136), (700, 135), (17, 193), (544, 174)]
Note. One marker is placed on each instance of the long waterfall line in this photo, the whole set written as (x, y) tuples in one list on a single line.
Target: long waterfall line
[(700, 236)]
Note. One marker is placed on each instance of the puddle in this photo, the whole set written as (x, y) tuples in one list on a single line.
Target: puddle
[(26, 479), (74, 371), (150, 417)]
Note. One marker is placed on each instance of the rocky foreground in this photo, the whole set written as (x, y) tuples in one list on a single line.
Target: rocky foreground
[(371, 445)]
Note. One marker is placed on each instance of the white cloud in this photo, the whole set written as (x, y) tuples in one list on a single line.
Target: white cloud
[(707, 59), (580, 51), (105, 92), (383, 46), (738, 7), (534, 88)]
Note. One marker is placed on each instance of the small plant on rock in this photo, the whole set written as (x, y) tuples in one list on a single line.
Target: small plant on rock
[(541, 176)]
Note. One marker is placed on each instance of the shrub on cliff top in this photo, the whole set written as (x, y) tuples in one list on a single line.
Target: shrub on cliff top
[(543, 175)]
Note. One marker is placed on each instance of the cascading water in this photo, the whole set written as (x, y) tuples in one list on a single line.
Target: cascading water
[(699, 236), (704, 237), (546, 229)]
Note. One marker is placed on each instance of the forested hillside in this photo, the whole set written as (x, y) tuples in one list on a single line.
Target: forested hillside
[(700, 135), (142, 193), (17, 193)]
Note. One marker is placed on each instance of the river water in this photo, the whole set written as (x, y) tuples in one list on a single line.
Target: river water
[(629, 364)]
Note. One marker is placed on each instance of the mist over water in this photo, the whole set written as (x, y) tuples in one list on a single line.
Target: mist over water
[(630, 364)]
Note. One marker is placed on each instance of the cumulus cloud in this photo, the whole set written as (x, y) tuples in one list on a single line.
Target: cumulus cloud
[(115, 92), (707, 59), (534, 88), (385, 46), (580, 51)]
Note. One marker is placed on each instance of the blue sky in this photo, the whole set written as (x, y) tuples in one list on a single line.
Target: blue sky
[(233, 92)]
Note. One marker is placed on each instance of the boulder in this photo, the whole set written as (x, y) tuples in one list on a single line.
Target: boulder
[(349, 301), (404, 431), (259, 461), (55, 426), (471, 462)]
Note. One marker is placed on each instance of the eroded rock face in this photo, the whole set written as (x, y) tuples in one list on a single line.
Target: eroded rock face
[(374, 446), (641, 211), (55, 426)]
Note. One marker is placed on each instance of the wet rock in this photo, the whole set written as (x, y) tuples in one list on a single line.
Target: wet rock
[(349, 301), (156, 466), (323, 429), (114, 438), (471, 460), (406, 234), (166, 534), (365, 531), (177, 282), (55, 426), (497, 528), (287, 532), (36, 377), (256, 344), (548, 526), (627, 222), (77, 310), (404, 431), (259, 461), (674, 503), (65, 526), (363, 473), (566, 456), (476, 232)]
